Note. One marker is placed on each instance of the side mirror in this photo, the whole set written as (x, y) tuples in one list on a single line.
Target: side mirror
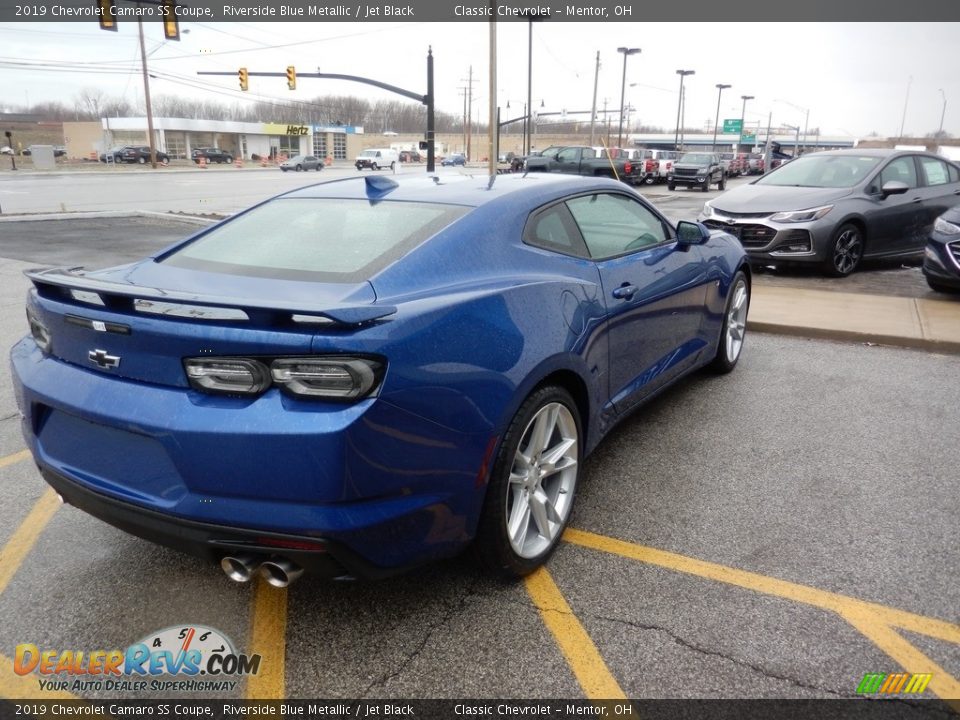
[(692, 233), (894, 187)]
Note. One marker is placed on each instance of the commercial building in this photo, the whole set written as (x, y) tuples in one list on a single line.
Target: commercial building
[(177, 137)]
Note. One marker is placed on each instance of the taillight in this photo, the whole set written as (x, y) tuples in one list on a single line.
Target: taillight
[(339, 378), (331, 377), (39, 331), (227, 376), (627, 167)]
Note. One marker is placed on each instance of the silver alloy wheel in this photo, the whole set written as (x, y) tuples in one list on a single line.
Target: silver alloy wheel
[(737, 320), (847, 251), (542, 480)]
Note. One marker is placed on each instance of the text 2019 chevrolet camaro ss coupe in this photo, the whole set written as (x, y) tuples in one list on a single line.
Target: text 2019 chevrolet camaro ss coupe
[(367, 374)]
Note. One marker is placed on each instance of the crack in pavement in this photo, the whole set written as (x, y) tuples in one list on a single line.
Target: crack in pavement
[(454, 609)]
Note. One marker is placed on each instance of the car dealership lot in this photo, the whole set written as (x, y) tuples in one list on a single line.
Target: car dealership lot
[(820, 464)]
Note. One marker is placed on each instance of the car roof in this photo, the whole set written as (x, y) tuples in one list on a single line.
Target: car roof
[(471, 190)]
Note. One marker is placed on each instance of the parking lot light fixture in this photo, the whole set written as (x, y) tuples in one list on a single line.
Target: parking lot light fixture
[(676, 136), (720, 88), (623, 88), (743, 118)]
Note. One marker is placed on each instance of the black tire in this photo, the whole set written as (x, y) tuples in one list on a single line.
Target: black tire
[(392, 165), (228, 159), (705, 185), (283, 169), (142, 160), (165, 161), (493, 544), (649, 180), (845, 252), (722, 185), (299, 168), (319, 167), (671, 187), (728, 353), (374, 166)]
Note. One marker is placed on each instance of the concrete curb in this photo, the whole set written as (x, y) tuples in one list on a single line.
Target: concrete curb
[(185, 219), (930, 345)]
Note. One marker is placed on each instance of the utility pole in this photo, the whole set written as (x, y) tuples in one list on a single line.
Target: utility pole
[(463, 91), (593, 110), (146, 96), (683, 112), (720, 88), (469, 110), (905, 101)]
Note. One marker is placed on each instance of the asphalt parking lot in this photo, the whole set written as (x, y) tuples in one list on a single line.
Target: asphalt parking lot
[(778, 532)]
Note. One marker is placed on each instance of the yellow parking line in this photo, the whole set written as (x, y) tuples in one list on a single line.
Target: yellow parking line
[(268, 639), (874, 621), (574, 642), (824, 599), (14, 458), (25, 536), (25, 687), (942, 684)]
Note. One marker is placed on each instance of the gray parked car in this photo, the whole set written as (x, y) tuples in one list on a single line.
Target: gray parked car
[(836, 208), (302, 162)]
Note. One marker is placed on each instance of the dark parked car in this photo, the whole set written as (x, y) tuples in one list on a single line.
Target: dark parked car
[(697, 169), (133, 154), (141, 154), (212, 155), (836, 208), (302, 162), (941, 259), (410, 156), (455, 159), (358, 394)]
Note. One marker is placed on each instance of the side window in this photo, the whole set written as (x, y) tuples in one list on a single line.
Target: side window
[(902, 169), (935, 171), (589, 153), (954, 173), (552, 229), (567, 155), (615, 224)]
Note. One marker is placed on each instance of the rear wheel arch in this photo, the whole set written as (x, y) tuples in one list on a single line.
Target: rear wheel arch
[(573, 384)]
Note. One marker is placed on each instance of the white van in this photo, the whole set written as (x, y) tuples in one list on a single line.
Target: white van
[(376, 158)]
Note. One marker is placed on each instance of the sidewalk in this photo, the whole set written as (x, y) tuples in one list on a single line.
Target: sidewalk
[(932, 325)]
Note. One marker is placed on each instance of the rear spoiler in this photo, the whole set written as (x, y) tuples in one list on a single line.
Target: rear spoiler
[(122, 296)]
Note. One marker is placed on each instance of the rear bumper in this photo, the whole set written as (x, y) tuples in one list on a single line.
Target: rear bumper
[(212, 542), (378, 482)]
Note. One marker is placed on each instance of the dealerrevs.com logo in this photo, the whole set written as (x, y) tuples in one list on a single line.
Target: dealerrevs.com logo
[(181, 652)]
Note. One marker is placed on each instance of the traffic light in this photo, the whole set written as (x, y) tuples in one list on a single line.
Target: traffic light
[(171, 28), (107, 20), (291, 77), (244, 79)]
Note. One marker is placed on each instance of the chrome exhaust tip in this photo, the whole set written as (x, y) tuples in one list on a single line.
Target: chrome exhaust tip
[(280, 573), (240, 568)]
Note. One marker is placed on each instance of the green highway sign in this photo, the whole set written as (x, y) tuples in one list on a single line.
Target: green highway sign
[(752, 137), (732, 126)]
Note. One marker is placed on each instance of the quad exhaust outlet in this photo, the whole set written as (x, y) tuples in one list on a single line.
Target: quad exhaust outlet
[(279, 572)]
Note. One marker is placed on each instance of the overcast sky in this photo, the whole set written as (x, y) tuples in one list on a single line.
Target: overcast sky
[(853, 78)]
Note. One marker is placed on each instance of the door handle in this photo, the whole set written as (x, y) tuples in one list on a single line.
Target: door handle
[(625, 291), (916, 200)]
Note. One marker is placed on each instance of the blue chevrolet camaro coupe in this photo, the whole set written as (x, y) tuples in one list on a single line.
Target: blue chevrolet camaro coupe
[(363, 375)]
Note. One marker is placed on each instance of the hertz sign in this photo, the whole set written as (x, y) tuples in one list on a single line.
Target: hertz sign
[(279, 129)]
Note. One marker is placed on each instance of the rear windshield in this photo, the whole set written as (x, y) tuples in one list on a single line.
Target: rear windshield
[(316, 239)]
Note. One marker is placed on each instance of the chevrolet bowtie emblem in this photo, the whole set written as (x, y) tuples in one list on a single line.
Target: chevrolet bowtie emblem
[(103, 359)]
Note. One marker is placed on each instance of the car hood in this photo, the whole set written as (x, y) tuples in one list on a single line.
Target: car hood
[(772, 198)]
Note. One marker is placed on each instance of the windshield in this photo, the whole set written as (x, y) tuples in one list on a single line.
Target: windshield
[(315, 239), (368, 153), (823, 171), (696, 159)]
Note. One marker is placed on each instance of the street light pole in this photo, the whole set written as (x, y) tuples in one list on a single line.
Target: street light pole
[(942, 113), (903, 120), (593, 112), (676, 135), (743, 118), (720, 88), (146, 96), (623, 88), (526, 138)]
